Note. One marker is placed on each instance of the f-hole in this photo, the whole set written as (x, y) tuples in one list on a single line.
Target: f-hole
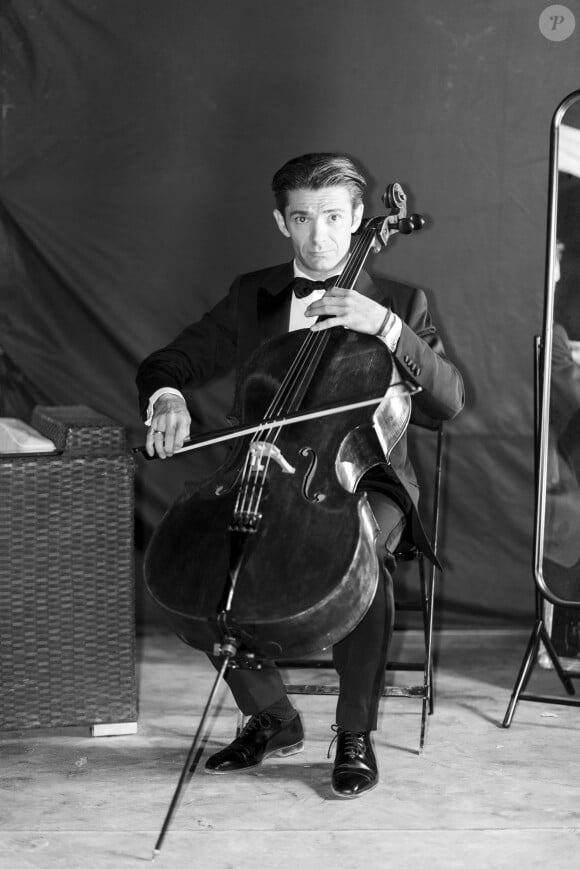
[(316, 497)]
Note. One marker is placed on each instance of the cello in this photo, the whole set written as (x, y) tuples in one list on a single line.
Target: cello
[(220, 562)]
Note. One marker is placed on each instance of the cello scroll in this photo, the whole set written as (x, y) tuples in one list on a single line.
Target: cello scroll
[(397, 220)]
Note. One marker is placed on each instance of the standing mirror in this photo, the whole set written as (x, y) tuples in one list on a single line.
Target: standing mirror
[(557, 527), (555, 638)]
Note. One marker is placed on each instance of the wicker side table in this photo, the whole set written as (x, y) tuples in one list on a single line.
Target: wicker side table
[(67, 623)]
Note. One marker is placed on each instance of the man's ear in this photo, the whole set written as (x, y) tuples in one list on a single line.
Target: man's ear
[(281, 223), (357, 215)]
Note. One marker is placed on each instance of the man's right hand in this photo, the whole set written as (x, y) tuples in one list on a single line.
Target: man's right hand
[(170, 425)]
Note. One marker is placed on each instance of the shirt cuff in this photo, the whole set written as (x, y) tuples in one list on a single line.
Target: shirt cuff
[(392, 332), (166, 390)]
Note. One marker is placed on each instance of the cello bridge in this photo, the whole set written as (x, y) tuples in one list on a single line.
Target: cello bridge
[(261, 452)]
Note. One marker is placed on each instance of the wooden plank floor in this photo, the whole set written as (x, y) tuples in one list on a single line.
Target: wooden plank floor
[(479, 795)]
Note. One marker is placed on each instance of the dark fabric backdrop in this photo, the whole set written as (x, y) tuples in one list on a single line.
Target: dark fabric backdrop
[(138, 143)]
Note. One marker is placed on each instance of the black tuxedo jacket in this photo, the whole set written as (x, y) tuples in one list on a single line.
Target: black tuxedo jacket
[(257, 307)]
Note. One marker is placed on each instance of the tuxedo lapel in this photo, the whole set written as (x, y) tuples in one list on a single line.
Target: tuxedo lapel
[(263, 308), (273, 302)]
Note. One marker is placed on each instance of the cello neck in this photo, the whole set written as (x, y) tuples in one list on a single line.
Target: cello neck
[(365, 241), (303, 368)]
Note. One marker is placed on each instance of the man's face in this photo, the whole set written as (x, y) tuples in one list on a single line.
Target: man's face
[(319, 223)]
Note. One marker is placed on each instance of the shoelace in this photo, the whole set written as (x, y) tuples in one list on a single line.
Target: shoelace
[(353, 742), (256, 722)]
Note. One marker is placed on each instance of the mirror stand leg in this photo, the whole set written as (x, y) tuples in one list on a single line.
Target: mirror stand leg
[(525, 671), (539, 635)]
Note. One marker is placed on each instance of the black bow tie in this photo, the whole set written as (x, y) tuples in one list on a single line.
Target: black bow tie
[(303, 287)]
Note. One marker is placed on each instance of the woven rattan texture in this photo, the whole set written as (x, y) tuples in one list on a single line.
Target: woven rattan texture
[(80, 430), (67, 634)]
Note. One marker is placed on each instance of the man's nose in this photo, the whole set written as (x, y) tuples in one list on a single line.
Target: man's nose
[(317, 231)]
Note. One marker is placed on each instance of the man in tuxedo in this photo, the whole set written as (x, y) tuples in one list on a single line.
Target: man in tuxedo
[(319, 205)]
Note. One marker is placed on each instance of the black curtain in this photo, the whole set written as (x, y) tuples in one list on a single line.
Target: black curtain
[(138, 143)]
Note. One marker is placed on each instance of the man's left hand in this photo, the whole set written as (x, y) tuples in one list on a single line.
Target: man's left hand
[(348, 309)]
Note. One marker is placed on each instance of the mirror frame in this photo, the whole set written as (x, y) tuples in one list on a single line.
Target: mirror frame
[(543, 362)]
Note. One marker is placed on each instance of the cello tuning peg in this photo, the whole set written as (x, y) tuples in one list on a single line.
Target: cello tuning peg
[(417, 220), (407, 225)]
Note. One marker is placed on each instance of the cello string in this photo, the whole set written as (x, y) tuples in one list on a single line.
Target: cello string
[(249, 491), (246, 491), (314, 344), (297, 378), (294, 384), (301, 365)]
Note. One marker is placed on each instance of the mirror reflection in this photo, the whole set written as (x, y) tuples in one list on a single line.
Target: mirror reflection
[(561, 542)]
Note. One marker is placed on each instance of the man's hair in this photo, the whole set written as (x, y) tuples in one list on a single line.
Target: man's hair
[(314, 171)]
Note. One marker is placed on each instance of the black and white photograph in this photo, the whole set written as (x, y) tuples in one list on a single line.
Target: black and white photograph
[(289, 434)]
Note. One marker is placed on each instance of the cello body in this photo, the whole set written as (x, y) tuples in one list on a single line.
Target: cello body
[(306, 567)]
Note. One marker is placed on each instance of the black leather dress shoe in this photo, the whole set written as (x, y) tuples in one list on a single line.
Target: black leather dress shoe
[(263, 736), (355, 766)]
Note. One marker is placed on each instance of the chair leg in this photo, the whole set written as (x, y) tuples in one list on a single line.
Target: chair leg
[(424, 718), (429, 656), (428, 592), (427, 588), (427, 596)]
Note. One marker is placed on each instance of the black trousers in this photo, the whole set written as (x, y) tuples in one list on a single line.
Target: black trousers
[(360, 658)]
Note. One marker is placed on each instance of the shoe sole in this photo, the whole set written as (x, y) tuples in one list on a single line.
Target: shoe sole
[(277, 752)]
